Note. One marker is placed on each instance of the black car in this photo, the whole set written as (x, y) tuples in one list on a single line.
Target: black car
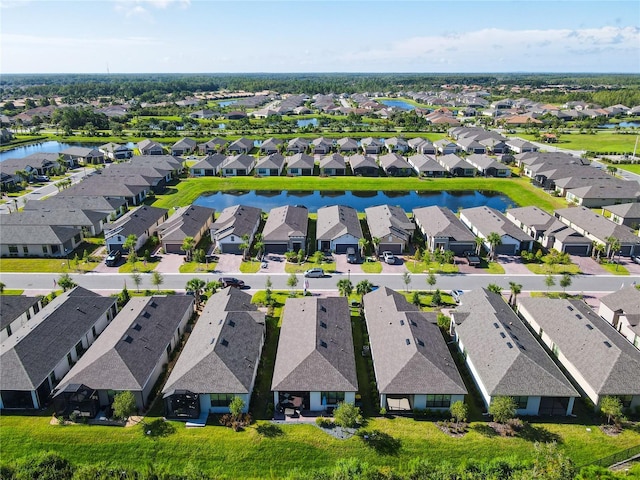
[(351, 255), (113, 258), (231, 282)]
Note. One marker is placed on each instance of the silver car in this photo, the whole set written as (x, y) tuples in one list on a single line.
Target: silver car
[(314, 273)]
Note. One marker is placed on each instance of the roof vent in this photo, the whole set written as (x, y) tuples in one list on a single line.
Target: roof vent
[(509, 344), (323, 343), (421, 343), (495, 325), (408, 342), (570, 308), (128, 339), (607, 344), (224, 342), (323, 325), (232, 323), (578, 316), (589, 326), (213, 340), (323, 308), (401, 322), (146, 314), (137, 327), (502, 334)]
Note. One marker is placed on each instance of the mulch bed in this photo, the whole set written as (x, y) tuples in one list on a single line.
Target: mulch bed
[(611, 430), (453, 430)]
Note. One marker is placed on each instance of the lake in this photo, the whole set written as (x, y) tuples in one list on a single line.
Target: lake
[(307, 121), (621, 125), (48, 147), (226, 103), (408, 200), (398, 104)]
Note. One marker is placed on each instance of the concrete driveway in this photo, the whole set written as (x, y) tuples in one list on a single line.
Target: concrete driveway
[(169, 263), (513, 265), (588, 266), (229, 263)]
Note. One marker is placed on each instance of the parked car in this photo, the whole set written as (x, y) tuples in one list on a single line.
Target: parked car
[(230, 282), (456, 294), (42, 178), (389, 257), (314, 273), (113, 258), (636, 259), (351, 255), (472, 258)]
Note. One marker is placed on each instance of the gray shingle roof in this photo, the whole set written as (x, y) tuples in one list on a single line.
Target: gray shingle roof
[(335, 160), (362, 161), (73, 217), (426, 163), (36, 234), (211, 161), (625, 301), (488, 220), (275, 160), (442, 222), (626, 210), (597, 225), (393, 160), (129, 349), (97, 203), (238, 220), (137, 221), (385, 220), (300, 160), (603, 357), (31, 353), (285, 222), (223, 348), (315, 348), (185, 222), (410, 354), (12, 306), (337, 220), (507, 358), (242, 161)]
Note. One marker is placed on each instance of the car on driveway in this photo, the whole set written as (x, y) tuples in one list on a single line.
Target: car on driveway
[(351, 255), (636, 259), (231, 282), (314, 273), (42, 178), (113, 258), (389, 257), (472, 259), (456, 294)]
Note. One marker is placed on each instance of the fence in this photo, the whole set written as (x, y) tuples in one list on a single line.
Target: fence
[(616, 457)]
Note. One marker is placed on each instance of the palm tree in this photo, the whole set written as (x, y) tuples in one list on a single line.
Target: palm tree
[(345, 287), (598, 249), (188, 244), (244, 246), (479, 242), (614, 247), (495, 241), (363, 287), (516, 288), (492, 287), (196, 286), (130, 243), (363, 243), (258, 244), (376, 243)]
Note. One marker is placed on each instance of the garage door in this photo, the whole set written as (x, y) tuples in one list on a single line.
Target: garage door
[(580, 250), (625, 251), (276, 247), (230, 248), (506, 249), (173, 248), (342, 247), (394, 248)]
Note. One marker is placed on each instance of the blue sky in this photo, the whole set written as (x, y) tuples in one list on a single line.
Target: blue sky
[(150, 36)]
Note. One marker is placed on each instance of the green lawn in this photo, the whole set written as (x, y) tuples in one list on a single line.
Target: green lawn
[(44, 265), (252, 266), (634, 168), (600, 142), (433, 267), (12, 291), (140, 266), (195, 267), (371, 267), (545, 269), (615, 268), (328, 267)]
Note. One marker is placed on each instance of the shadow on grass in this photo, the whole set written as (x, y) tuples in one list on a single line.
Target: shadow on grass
[(157, 428), (540, 434), (269, 430), (484, 430), (382, 443)]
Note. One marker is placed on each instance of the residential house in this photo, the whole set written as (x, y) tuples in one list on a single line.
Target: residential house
[(456, 166), (238, 165), (333, 165), (395, 165), (208, 166), (297, 145), (115, 151), (38, 354), (605, 192), (141, 222), (599, 229), (421, 146), (215, 145), (337, 229), (624, 214), (315, 366), (241, 146), (549, 231), (622, 310), (412, 364), (286, 229), (38, 240), (505, 359), (371, 146), (270, 146), (89, 221), (220, 359), (130, 355), (233, 224), (235, 115), (363, 165), (112, 207), (442, 230), (300, 164), (348, 145), (396, 144), (321, 146), (15, 311), (518, 145), (471, 146), (489, 167), (132, 189), (483, 221), (426, 166), (190, 221), (149, 147), (494, 146), (445, 147), (204, 113), (173, 165), (83, 155), (270, 166), (184, 146), (391, 226), (600, 360)]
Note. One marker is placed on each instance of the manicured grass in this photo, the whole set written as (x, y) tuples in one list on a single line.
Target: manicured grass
[(9, 291), (601, 142), (195, 267), (494, 268), (519, 190), (44, 265), (634, 168), (426, 299), (250, 267), (328, 267), (371, 267), (615, 268), (544, 269), (140, 266), (434, 267)]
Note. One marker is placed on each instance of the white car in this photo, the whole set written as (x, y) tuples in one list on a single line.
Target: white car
[(456, 294), (389, 257), (314, 273)]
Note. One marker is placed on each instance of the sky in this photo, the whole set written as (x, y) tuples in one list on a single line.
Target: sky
[(210, 36)]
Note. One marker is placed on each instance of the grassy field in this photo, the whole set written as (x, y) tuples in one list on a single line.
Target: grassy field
[(634, 168), (615, 268), (519, 190), (601, 142), (433, 267), (544, 269)]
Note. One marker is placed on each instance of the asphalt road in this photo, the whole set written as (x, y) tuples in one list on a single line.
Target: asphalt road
[(113, 282)]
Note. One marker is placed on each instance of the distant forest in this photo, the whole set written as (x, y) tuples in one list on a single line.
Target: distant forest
[(604, 89)]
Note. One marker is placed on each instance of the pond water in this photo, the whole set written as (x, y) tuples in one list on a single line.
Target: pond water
[(408, 200), (48, 147), (307, 121), (621, 125), (398, 104), (226, 103)]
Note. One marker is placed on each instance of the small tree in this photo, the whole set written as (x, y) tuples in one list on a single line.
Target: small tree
[(137, 280), (502, 409), (495, 241), (236, 407), (2, 287), (212, 286), (244, 246), (611, 407), (347, 415), (459, 411), (565, 282), (415, 299), (292, 281), (65, 282), (268, 294), (345, 287), (406, 278), (196, 285), (516, 288), (436, 298), (549, 281), (130, 243), (124, 405), (188, 244), (157, 279), (495, 288), (431, 280)]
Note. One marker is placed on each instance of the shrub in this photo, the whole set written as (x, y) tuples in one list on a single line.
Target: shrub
[(236, 423), (324, 422), (347, 415), (124, 405)]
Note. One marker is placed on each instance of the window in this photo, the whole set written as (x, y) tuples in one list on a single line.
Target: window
[(625, 400), (168, 349), (555, 349), (13, 249), (25, 249), (77, 238), (221, 399), (93, 331), (9, 333), (332, 398), (55, 249), (79, 349), (69, 359), (521, 402), (28, 315), (438, 401)]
